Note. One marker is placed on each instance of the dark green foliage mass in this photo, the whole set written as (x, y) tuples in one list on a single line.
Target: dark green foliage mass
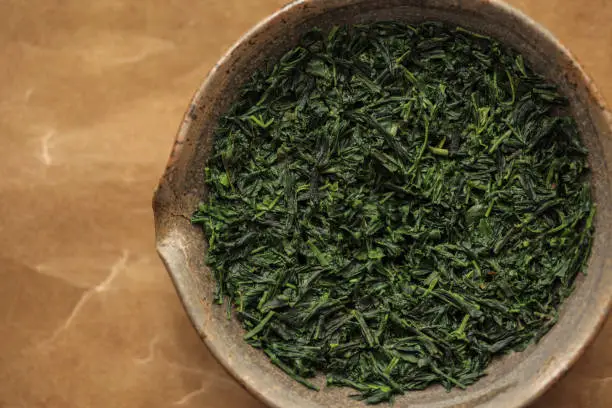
[(394, 205)]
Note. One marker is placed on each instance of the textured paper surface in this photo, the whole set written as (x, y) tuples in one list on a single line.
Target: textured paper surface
[(91, 94)]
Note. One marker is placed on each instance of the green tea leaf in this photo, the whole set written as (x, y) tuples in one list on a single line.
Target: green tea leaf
[(394, 205)]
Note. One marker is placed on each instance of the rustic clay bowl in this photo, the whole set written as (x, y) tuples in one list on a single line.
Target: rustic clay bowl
[(513, 380)]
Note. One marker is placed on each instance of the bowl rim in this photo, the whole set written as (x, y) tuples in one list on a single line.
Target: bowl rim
[(563, 363)]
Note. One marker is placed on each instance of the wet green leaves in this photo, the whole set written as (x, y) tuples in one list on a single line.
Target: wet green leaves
[(394, 205)]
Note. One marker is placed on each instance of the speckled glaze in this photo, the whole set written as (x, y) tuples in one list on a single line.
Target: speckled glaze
[(513, 380)]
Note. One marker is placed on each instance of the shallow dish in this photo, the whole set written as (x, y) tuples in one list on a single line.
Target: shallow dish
[(514, 380)]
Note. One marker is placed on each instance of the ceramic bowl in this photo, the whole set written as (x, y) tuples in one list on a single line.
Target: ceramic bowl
[(513, 380)]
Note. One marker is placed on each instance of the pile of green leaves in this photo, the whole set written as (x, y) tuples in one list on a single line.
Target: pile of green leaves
[(394, 205)]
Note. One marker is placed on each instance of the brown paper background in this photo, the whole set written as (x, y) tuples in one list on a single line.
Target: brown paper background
[(91, 94)]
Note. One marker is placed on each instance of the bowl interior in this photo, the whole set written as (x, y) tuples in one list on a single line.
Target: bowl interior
[(512, 380)]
